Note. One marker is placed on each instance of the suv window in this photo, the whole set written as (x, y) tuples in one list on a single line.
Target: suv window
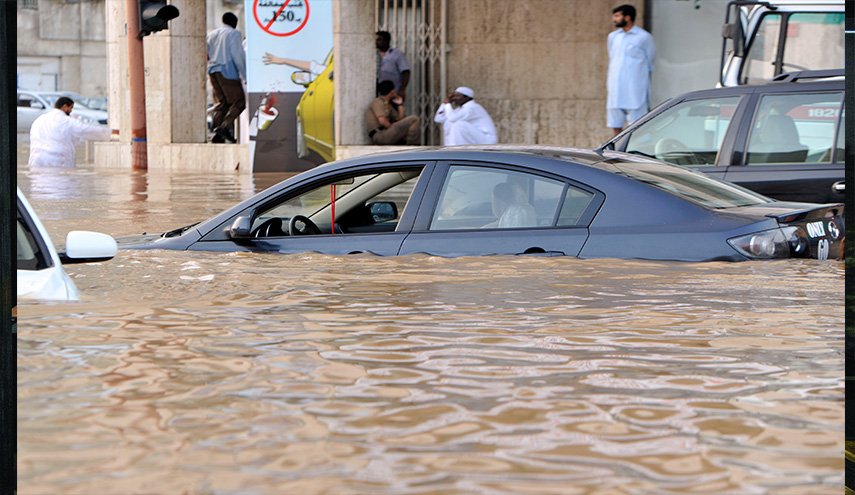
[(794, 128), (689, 133)]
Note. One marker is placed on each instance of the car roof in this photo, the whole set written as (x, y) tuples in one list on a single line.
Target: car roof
[(584, 164), (582, 156), (793, 82)]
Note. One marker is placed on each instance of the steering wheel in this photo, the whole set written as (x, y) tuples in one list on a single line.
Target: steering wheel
[(309, 227), (272, 227)]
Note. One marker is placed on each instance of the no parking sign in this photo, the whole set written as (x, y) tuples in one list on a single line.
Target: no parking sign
[(282, 37), (281, 17)]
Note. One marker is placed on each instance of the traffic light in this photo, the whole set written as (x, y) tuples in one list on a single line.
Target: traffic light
[(154, 16)]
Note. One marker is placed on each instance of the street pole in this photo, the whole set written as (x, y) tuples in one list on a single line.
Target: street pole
[(136, 75), (8, 201)]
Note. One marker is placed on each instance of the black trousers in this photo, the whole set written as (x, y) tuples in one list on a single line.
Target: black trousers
[(229, 101)]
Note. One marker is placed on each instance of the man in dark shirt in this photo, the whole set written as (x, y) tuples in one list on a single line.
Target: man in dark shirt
[(393, 64)]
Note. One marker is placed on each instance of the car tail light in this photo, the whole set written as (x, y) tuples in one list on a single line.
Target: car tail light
[(776, 243)]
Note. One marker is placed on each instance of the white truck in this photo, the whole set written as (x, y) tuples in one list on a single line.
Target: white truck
[(764, 39)]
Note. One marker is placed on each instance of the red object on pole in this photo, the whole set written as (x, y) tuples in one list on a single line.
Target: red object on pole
[(332, 206), (136, 76)]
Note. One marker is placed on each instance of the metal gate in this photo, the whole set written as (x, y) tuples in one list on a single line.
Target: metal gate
[(418, 29)]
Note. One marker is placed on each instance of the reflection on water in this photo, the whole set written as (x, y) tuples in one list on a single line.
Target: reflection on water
[(244, 373)]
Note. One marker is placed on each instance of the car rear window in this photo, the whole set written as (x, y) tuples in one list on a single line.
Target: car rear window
[(691, 186)]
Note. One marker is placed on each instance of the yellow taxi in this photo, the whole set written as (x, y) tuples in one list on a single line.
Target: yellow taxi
[(315, 112)]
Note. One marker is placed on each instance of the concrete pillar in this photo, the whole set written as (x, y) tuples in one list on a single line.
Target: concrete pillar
[(175, 61), (175, 78), (117, 84), (175, 75), (354, 58)]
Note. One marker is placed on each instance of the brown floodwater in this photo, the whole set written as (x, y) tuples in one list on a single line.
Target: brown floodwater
[(218, 373)]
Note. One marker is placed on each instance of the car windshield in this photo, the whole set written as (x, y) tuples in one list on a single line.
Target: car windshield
[(691, 186)]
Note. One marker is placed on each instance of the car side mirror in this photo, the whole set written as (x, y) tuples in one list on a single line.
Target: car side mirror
[(733, 31), (383, 211), (301, 77), (82, 246), (241, 228)]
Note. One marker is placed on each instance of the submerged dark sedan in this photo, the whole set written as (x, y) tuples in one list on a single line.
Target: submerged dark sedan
[(516, 200)]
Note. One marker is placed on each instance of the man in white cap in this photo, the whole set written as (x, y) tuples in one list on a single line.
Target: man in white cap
[(463, 120)]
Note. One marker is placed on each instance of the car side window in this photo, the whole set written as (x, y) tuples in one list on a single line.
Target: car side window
[(27, 101), (493, 198), (759, 66), (29, 255), (575, 204), (370, 202), (689, 133), (794, 128)]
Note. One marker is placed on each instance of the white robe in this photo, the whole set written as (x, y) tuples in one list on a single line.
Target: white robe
[(54, 135), (466, 124)]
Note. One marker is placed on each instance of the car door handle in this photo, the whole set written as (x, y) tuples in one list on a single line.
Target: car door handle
[(536, 251), (311, 93), (839, 187)]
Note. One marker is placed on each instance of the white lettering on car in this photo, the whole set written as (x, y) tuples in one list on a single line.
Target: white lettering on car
[(833, 231), (816, 229), (822, 249)]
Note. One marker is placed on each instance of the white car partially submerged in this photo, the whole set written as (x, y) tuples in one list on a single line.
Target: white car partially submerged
[(39, 266)]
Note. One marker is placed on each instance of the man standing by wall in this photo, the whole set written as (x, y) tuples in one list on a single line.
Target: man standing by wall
[(54, 135), (394, 65), (226, 68), (463, 120), (631, 53)]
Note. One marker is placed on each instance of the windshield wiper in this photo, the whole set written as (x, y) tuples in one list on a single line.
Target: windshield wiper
[(636, 152), (179, 230)]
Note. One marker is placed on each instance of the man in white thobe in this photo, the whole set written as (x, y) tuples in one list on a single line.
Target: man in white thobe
[(54, 135), (631, 53), (463, 120)]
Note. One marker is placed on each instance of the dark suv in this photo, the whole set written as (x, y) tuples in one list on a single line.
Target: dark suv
[(784, 139)]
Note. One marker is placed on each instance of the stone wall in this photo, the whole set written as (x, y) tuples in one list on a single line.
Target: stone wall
[(538, 66), (71, 33)]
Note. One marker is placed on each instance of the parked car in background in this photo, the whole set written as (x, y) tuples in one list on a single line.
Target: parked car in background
[(39, 267), (520, 200), (315, 112), (784, 139), (765, 38), (31, 104)]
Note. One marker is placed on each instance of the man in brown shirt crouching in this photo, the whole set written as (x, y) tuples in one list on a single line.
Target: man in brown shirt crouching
[(386, 122)]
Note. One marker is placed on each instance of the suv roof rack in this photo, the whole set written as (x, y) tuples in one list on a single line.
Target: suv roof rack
[(808, 74)]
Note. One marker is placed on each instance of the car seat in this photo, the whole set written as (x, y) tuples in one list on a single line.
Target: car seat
[(776, 141)]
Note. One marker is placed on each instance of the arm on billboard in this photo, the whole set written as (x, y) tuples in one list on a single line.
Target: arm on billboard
[(269, 58)]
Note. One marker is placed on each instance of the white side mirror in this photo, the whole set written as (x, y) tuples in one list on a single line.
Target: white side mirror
[(82, 246), (301, 77)]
